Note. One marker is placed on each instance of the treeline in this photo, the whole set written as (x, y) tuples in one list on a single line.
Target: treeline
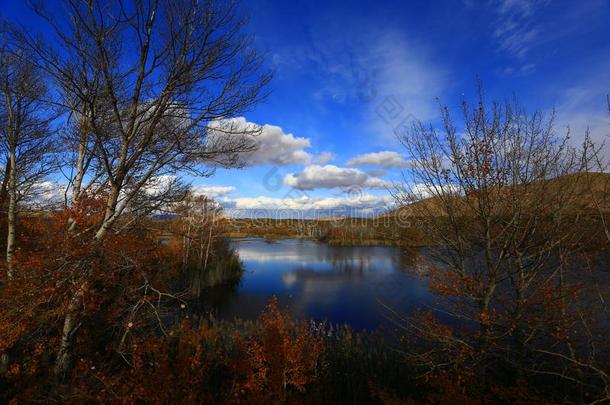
[(386, 230)]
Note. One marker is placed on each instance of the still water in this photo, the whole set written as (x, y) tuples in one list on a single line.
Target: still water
[(313, 280)]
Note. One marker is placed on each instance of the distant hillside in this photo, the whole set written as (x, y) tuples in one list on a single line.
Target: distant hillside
[(593, 190)]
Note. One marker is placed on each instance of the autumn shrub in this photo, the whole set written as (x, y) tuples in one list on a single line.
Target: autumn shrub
[(283, 358), (268, 361), (114, 286)]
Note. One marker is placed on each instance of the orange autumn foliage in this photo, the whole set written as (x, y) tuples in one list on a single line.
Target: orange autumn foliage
[(212, 363), (282, 357), (52, 263), (123, 350)]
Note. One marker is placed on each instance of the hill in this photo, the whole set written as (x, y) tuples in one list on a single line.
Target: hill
[(586, 190)]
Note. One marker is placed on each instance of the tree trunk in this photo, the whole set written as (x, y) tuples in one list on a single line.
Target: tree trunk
[(12, 207), (207, 251), (4, 363), (71, 323), (63, 362), (4, 186), (109, 216), (80, 170)]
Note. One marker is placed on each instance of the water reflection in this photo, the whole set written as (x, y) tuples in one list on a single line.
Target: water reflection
[(315, 280)]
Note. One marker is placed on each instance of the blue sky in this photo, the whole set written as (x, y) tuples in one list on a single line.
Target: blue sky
[(349, 72)]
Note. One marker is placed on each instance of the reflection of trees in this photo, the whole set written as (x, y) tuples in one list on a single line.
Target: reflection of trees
[(344, 272), (352, 259), (211, 301), (308, 253), (319, 280), (417, 261)]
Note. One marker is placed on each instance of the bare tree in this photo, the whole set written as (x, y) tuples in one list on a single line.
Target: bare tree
[(501, 198), (27, 139), (198, 221), (145, 80)]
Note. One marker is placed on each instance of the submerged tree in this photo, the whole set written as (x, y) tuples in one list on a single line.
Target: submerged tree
[(145, 82)]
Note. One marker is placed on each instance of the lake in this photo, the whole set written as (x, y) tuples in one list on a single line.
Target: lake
[(314, 280)]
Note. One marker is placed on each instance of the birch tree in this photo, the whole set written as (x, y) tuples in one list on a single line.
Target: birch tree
[(26, 138), (145, 80)]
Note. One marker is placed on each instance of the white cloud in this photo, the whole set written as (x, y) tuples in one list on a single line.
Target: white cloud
[(519, 28), (275, 147), (394, 78), (376, 173), (324, 158), (405, 80), (422, 191), (515, 30), (307, 206), (583, 108), (330, 176), (523, 7), (387, 159), (44, 194), (160, 184), (212, 191), (157, 185), (519, 70)]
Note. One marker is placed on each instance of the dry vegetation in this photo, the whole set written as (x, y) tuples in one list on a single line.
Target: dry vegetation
[(337, 231), (95, 296)]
